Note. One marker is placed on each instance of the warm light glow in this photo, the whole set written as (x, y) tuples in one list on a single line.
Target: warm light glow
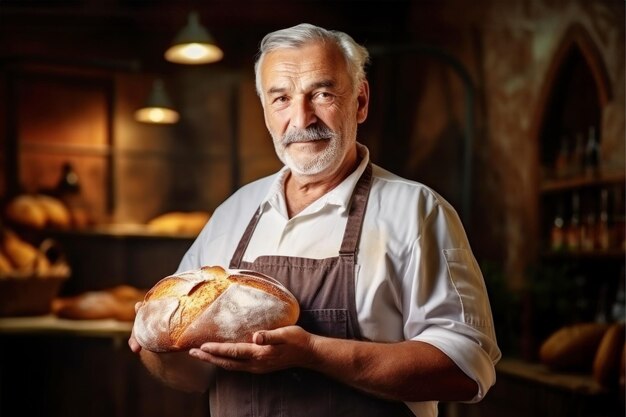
[(194, 53), (159, 115)]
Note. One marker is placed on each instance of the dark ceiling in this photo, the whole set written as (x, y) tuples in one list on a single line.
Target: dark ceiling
[(131, 33)]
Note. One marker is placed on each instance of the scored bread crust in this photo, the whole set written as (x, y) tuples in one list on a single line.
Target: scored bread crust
[(211, 304)]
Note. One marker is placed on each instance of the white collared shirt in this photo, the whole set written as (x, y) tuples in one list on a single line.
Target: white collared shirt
[(416, 276)]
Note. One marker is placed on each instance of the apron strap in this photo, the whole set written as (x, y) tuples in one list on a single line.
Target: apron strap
[(353, 226), (235, 262), (356, 214)]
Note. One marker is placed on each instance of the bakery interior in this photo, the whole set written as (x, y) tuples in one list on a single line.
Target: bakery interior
[(512, 110)]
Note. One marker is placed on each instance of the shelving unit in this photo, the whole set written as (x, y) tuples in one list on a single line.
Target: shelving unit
[(581, 247)]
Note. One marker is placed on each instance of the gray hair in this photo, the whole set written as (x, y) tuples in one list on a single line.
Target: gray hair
[(356, 55)]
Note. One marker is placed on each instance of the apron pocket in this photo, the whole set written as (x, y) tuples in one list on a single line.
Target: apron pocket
[(325, 322)]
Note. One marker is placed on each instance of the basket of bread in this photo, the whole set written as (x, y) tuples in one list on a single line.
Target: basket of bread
[(30, 276)]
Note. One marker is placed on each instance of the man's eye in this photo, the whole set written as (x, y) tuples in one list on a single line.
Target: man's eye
[(281, 99), (323, 96)]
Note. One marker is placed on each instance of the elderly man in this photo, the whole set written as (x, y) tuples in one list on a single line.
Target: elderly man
[(394, 311)]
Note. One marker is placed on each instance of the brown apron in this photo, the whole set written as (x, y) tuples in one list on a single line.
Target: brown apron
[(325, 291)]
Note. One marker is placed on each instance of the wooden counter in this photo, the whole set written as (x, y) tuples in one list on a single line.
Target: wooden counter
[(75, 368), (51, 324), (528, 389)]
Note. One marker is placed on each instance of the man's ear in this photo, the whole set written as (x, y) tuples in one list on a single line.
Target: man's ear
[(363, 100)]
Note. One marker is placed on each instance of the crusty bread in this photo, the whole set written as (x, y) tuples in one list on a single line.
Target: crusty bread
[(178, 222), (5, 265), (25, 209), (22, 254), (112, 303), (572, 347), (39, 211), (57, 214), (607, 360), (211, 304)]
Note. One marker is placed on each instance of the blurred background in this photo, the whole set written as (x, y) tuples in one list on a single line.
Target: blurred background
[(512, 110)]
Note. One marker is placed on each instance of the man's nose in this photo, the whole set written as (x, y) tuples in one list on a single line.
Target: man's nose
[(303, 113)]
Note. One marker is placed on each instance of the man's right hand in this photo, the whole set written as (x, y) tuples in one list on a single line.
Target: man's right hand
[(132, 342)]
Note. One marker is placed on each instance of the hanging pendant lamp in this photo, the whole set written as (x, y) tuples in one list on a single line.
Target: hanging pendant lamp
[(193, 45), (158, 108)]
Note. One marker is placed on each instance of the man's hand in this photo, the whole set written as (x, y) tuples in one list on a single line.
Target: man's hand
[(132, 342), (270, 350)]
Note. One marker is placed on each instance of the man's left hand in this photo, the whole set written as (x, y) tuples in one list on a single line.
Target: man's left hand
[(270, 350)]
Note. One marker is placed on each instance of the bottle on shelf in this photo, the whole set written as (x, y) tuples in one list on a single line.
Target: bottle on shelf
[(603, 232), (618, 309), (557, 233), (561, 162), (577, 160), (572, 240), (618, 229), (588, 232), (592, 154), (68, 183)]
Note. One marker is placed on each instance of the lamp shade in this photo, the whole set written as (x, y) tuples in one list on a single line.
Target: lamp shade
[(158, 108), (193, 45)]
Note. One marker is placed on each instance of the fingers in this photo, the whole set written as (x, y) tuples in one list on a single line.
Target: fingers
[(229, 350), (271, 337), (134, 345), (261, 338), (283, 335), (232, 358)]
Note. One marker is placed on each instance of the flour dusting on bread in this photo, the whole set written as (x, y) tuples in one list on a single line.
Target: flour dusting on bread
[(211, 304)]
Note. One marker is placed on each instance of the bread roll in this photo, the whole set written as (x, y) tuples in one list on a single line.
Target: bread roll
[(211, 304), (25, 209), (177, 222), (116, 303), (22, 255), (91, 305), (572, 347), (5, 265), (607, 360), (57, 214), (125, 292)]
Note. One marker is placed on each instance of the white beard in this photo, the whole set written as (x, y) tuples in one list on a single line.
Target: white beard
[(315, 163)]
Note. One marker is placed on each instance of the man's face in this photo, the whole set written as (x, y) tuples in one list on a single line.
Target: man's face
[(311, 107)]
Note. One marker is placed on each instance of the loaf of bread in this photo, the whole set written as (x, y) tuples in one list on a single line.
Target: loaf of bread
[(116, 303), (606, 364), (22, 254), (5, 265), (57, 214), (211, 304), (178, 222), (38, 211), (26, 210), (572, 347)]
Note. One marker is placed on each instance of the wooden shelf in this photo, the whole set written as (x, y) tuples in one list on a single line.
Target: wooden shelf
[(582, 384), (555, 185), (612, 254), (51, 324), (78, 149)]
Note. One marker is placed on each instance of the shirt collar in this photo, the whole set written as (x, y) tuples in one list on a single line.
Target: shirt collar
[(339, 196)]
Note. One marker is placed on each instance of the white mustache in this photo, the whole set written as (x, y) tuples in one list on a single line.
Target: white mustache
[(306, 135)]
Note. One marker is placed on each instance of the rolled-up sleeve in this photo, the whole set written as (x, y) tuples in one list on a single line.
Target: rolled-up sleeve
[(446, 302)]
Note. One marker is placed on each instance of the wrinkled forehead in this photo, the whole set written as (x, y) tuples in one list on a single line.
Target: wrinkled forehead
[(310, 61)]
